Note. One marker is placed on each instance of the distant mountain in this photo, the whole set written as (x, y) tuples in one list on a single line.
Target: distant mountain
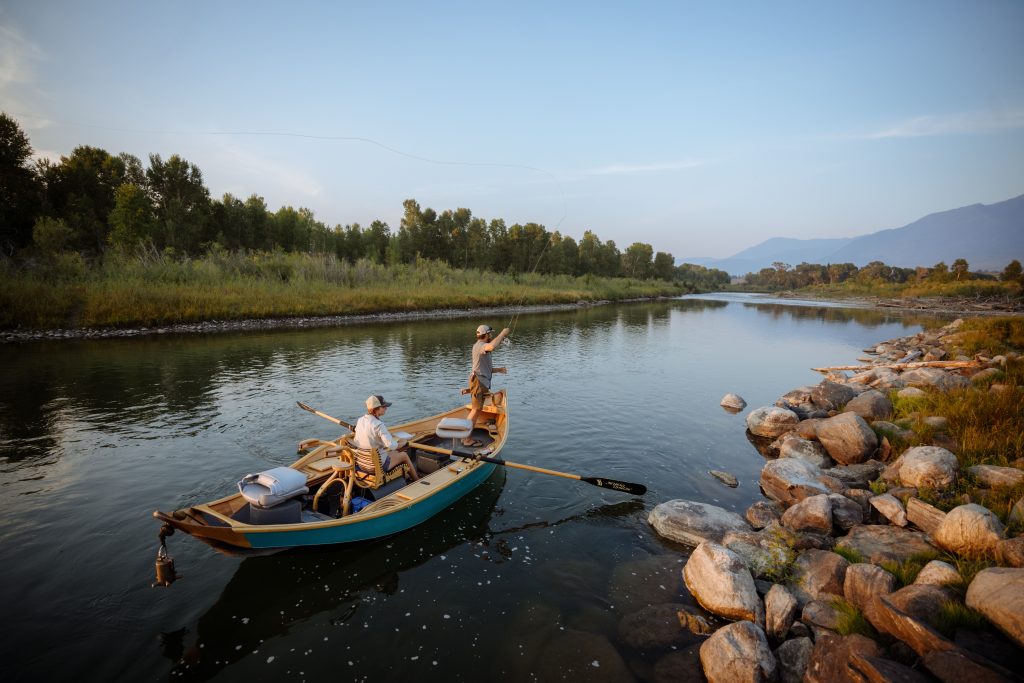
[(988, 236)]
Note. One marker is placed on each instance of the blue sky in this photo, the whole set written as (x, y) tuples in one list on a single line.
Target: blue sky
[(700, 128)]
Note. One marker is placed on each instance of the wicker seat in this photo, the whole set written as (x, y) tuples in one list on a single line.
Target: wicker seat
[(378, 477)]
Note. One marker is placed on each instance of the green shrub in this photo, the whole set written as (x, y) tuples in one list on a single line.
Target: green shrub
[(851, 555), (954, 615), (907, 570), (852, 620)]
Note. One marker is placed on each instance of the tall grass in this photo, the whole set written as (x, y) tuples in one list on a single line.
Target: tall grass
[(963, 289), (154, 289), (851, 620), (907, 570), (987, 425)]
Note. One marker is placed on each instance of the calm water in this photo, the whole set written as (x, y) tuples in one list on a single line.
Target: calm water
[(529, 577)]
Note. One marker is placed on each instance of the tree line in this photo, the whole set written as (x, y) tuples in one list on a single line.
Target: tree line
[(784, 276), (91, 202)]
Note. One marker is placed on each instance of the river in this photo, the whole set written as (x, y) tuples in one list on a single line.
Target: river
[(529, 578)]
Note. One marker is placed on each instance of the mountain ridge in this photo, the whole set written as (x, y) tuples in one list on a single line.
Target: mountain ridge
[(988, 236)]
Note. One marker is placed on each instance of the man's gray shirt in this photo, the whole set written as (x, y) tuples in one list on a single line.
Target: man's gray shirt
[(482, 363)]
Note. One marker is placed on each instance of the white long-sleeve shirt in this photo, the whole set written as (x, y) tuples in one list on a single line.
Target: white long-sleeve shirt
[(371, 433)]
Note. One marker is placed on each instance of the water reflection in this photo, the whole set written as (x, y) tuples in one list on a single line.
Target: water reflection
[(268, 596), (98, 431)]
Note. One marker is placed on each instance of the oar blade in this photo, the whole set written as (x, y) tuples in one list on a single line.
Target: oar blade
[(615, 485), (305, 407)]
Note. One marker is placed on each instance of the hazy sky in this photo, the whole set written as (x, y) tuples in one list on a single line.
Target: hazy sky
[(700, 128)]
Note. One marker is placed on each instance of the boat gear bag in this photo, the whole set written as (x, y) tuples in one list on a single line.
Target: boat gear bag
[(272, 487)]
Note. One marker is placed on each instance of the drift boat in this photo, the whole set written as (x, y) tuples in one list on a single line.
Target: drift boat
[(323, 498)]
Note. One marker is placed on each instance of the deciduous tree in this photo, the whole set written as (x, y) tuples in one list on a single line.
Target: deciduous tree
[(20, 188)]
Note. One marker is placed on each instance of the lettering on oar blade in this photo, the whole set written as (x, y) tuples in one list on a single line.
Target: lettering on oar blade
[(612, 484)]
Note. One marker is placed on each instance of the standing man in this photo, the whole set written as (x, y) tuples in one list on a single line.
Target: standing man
[(371, 433), (480, 376)]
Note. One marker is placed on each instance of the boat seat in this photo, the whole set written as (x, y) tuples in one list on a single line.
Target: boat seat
[(272, 487), (369, 472), (453, 428)]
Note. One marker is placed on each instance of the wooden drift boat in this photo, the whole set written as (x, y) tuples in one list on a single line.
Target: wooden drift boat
[(327, 500)]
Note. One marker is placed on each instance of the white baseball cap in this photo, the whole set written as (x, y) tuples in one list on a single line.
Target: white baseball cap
[(376, 401), (483, 329)]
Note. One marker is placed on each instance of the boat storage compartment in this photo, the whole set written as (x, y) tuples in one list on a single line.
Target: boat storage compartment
[(430, 462), (273, 495), (288, 512)]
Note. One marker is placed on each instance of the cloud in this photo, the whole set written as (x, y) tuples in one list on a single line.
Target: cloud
[(950, 124), (18, 88), (252, 165), (629, 169)]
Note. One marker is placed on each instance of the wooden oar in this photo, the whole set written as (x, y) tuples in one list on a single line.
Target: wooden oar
[(325, 416), (613, 484)]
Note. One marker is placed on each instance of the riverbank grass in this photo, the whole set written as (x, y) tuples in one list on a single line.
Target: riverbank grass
[(125, 291)]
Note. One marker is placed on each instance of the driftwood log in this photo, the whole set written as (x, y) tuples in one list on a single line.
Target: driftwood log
[(906, 366)]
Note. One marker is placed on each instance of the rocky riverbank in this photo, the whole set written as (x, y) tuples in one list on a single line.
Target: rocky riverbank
[(845, 571), (951, 305)]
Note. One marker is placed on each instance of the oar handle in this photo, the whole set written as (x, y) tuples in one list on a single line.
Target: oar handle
[(335, 420)]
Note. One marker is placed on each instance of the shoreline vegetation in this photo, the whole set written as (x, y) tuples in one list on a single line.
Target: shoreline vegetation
[(233, 291)]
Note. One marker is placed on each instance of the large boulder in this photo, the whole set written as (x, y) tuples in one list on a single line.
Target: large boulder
[(793, 657), (863, 582), (846, 513), (969, 530), (1010, 551), (922, 601), (834, 656), (821, 614), (763, 512), (998, 593), (722, 584), (857, 476), (871, 405), (738, 652), (810, 514), (915, 631), (934, 377), (891, 508), (937, 573), (959, 665), (879, 670), (654, 627), (808, 429), (818, 574), (780, 609), (788, 480), (928, 467), (831, 396), (771, 421), (997, 477), (692, 523), (877, 543), (847, 438), (791, 445)]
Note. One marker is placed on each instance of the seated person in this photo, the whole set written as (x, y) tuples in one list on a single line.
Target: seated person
[(371, 433)]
